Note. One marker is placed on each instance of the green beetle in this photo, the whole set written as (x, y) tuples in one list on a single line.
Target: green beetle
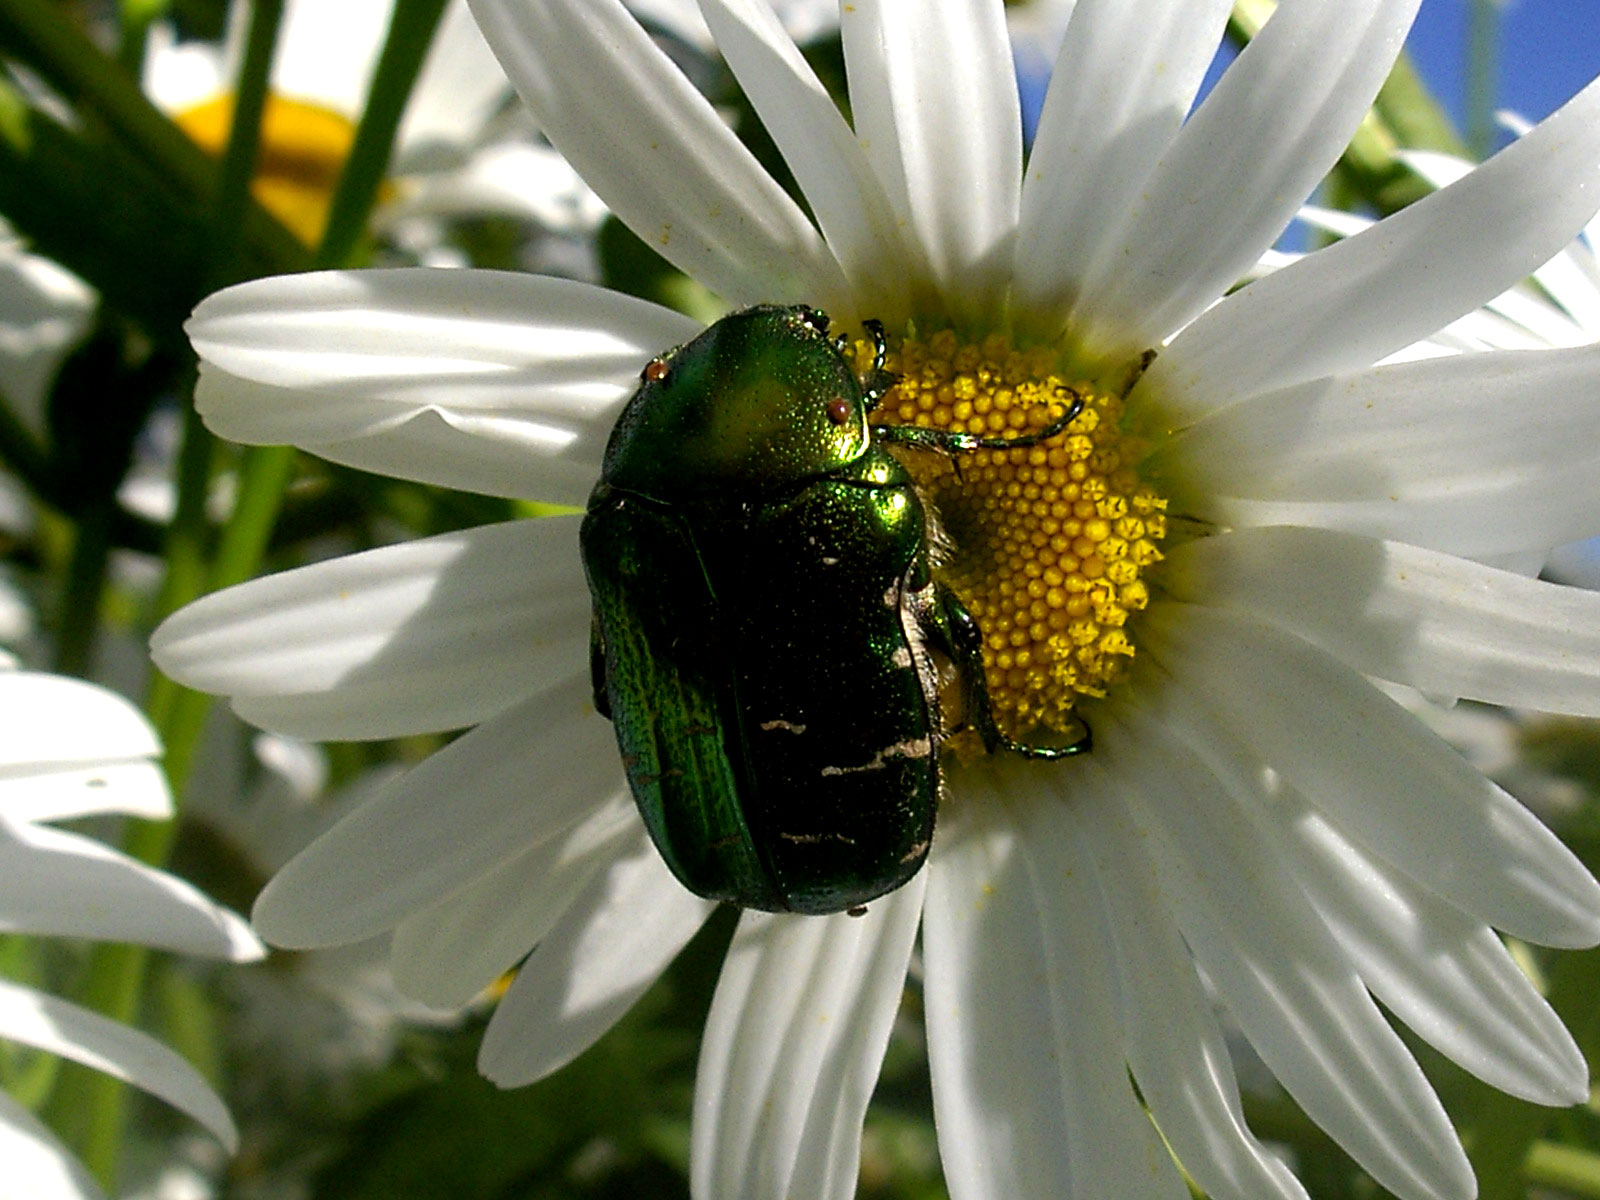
[(768, 631)]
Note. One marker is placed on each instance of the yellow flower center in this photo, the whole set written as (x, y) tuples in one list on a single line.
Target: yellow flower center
[(303, 148), (1046, 544)]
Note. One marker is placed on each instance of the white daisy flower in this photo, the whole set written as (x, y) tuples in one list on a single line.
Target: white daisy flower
[(70, 749), (1232, 537)]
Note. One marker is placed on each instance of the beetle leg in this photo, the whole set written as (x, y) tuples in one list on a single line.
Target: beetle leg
[(597, 669), (950, 442), (964, 643)]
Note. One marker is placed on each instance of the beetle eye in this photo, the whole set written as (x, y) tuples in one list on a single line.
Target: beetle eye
[(839, 411), (654, 371)]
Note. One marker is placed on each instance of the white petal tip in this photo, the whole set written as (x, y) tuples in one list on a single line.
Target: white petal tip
[(243, 944), (493, 1067), (282, 918)]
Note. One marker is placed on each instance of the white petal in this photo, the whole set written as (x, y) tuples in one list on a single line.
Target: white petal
[(44, 311), (1360, 299), (53, 720), (447, 954), (1474, 454), (65, 1029), (792, 1049), (1030, 1092), (657, 152), (591, 968), (397, 326), (1438, 970), (1275, 964), (934, 98), (528, 775), (38, 1166), (526, 181), (426, 635), (1237, 170), (1442, 972), (1126, 77), (1175, 1045), (137, 788), (1111, 1139), (1568, 277), (58, 883), (1378, 774), (828, 163), (554, 460), (507, 363), (1519, 318), (1443, 625)]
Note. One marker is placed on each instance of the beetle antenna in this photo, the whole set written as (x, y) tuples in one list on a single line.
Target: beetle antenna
[(880, 344), (878, 381)]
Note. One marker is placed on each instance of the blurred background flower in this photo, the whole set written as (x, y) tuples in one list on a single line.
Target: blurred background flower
[(68, 751)]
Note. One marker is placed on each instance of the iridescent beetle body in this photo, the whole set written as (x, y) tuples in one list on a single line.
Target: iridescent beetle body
[(767, 619)]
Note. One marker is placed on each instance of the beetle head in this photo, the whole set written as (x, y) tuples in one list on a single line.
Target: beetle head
[(760, 401)]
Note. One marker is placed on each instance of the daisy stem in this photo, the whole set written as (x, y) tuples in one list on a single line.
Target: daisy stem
[(244, 138), (135, 17), (411, 32), (22, 453), (89, 1108), (265, 471), (78, 620), (95, 1106), (1483, 40)]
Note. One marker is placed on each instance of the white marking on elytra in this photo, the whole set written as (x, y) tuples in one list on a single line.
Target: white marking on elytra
[(812, 839), (786, 726), (913, 748)]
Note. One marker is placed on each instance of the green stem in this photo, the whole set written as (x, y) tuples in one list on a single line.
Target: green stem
[(90, 1108), (135, 17), (1483, 40), (411, 32), (187, 536), (1551, 1164), (244, 138), (79, 620), (265, 471), (117, 972), (23, 455)]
